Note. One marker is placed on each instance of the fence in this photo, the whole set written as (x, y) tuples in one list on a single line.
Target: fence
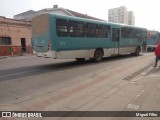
[(15, 50)]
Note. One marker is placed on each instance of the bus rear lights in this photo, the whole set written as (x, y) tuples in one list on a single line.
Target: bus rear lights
[(49, 45)]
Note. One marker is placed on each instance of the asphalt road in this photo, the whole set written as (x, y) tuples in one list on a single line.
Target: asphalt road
[(33, 83)]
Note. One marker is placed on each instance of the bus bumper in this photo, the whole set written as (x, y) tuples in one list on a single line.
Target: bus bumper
[(49, 54)]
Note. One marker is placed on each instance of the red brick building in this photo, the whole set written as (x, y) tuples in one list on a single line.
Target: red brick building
[(15, 36)]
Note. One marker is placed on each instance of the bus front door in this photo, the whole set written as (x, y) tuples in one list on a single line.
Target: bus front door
[(115, 40)]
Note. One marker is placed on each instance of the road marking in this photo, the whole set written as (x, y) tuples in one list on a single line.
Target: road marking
[(18, 73), (132, 106)]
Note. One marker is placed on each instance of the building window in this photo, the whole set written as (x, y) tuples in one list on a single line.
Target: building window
[(5, 41)]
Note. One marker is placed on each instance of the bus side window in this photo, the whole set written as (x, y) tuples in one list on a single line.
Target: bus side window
[(91, 30), (61, 28), (115, 34), (80, 29), (124, 32), (75, 28), (104, 31), (159, 37), (130, 33), (138, 34), (109, 31)]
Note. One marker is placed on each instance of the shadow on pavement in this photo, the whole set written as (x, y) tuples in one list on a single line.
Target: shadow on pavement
[(155, 70), (40, 69)]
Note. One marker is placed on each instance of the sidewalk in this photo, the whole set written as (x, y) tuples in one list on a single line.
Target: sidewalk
[(150, 98), (3, 57)]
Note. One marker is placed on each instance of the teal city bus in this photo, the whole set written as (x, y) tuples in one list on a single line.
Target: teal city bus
[(66, 37), (152, 38)]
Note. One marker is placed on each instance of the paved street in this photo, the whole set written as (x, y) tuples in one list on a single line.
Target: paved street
[(118, 83)]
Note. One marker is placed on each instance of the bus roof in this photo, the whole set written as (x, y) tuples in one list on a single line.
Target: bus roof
[(91, 20)]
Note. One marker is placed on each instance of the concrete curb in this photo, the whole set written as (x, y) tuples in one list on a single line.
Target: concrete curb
[(3, 57)]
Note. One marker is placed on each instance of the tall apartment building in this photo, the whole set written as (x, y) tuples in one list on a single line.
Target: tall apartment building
[(121, 15)]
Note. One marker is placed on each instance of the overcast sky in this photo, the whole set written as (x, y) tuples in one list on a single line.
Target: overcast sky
[(147, 12)]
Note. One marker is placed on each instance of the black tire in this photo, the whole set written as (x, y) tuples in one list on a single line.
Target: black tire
[(137, 51), (98, 55), (80, 59)]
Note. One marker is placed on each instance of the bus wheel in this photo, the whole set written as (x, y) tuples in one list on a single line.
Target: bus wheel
[(98, 55), (137, 51), (80, 59)]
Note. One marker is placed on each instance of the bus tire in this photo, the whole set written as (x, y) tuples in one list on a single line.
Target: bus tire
[(98, 55), (137, 51)]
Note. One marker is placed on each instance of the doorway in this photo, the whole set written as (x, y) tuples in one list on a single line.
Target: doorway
[(23, 44)]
